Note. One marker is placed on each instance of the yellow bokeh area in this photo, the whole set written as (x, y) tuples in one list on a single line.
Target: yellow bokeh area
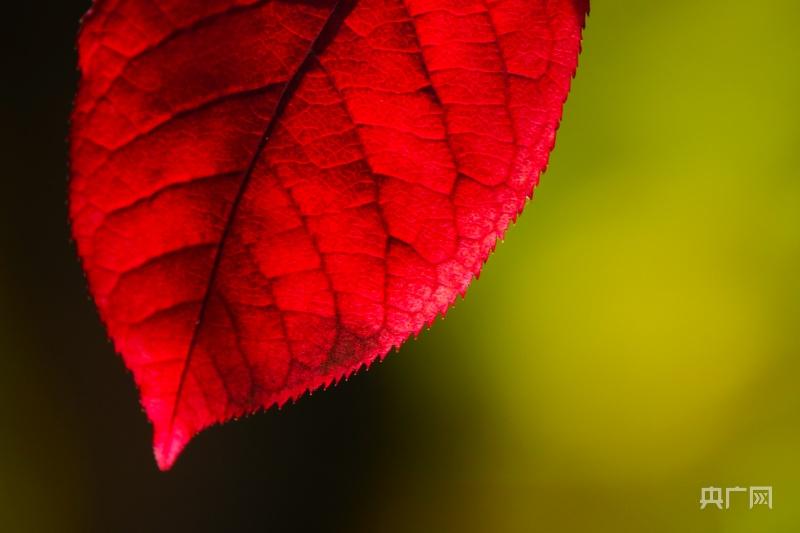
[(635, 338)]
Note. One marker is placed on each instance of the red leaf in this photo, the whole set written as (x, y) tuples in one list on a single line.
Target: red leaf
[(267, 195)]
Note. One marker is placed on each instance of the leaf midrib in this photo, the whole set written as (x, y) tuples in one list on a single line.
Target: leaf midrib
[(337, 14)]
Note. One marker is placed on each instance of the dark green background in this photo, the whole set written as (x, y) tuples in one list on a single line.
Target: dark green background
[(635, 338)]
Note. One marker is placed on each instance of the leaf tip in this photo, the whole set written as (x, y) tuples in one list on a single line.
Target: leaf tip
[(167, 446)]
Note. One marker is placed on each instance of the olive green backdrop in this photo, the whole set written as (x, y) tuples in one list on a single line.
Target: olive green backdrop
[(633, 340)]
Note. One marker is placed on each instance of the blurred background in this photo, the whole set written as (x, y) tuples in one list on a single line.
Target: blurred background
[(633, 340)]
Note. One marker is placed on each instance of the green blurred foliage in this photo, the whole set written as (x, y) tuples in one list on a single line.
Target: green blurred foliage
[(635, 338)]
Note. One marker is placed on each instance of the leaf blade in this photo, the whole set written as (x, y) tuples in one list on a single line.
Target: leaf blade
[(388, 162)]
